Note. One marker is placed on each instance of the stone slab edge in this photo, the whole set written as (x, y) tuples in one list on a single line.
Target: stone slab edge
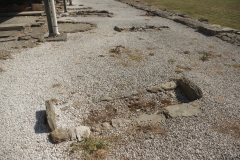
[(61, 37), (205, 28), (30, 13)]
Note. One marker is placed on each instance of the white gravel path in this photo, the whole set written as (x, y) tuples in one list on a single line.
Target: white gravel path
[(76, 65)]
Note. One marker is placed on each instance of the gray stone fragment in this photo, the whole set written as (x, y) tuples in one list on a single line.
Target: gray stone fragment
[(106, 98), (210, 29), (181, 110), (59, 135), (64, 14), (153, 118), (227, 29), (41, 39), (127, 94), (171, 94), (169, 85), (162, 13), (106, 125), (24, 38), (120, 122), (96, 128), (117, 96), (117, 29), (142, 91), (51, 117), (36, 24), (191, 90), (5, 34), (82, 131), (72, 134), (154, 89), (194, 103), (225, 38)]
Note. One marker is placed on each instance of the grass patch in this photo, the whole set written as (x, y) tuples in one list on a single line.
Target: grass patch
[(183, 67), (236, 66), (125, 64), (151, 48), (56, 85), (137, 104), (226, 127), (134, 56), (210, 46), (171, 61), (223, 12), (186, 52), (150, 128), (205, 56), (122, 52), (95, 148)]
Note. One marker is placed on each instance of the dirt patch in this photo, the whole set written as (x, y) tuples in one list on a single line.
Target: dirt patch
[(228, 127), (126, 55), (99, 116), (77, 9), (69, 27), (5, 55), (150, 128), (95, 13), (137, 104), (140, 29)]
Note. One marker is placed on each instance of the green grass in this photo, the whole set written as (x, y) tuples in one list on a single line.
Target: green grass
[(222, 12)]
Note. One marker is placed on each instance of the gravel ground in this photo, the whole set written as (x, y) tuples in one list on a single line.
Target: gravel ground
[(84, 76)]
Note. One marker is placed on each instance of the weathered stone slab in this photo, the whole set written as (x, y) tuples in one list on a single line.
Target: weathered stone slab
[(51, 116), (154, 89), (169, 85), (120, 122), (188, 21), (210, 29), (106, 98), (161, 13), (153, 118), (191, 90), (29, 13), (59, 135), (9, 27), (5, 34), (181, 110)]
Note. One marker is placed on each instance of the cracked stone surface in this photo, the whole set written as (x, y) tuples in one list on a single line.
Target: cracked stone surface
[(181, 110)]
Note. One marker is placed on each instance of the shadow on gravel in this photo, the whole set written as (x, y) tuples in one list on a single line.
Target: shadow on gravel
[(180, 95), (41, 125)]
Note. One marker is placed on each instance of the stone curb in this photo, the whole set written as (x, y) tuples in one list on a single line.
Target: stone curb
[(9, 27), (224, 33), (30, 13)]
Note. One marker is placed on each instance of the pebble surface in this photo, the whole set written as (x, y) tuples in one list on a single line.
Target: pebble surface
[(27, 81)]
